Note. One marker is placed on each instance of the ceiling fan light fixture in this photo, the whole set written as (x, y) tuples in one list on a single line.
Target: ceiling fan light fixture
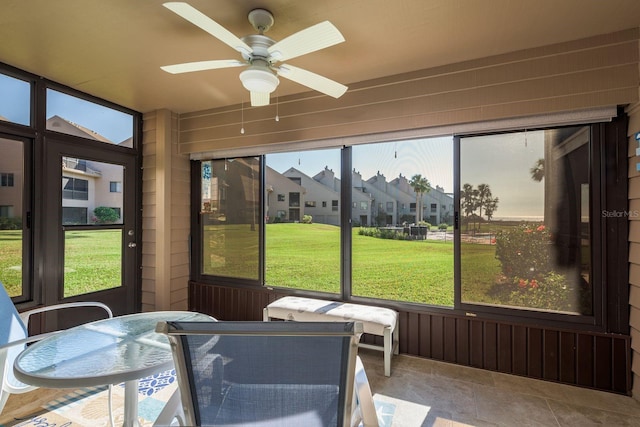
[(256, 79)]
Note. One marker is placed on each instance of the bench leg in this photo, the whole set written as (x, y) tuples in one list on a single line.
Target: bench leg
[(388, 350)]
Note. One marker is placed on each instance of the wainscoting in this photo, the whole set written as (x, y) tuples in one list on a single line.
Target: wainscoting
[(593, 360)]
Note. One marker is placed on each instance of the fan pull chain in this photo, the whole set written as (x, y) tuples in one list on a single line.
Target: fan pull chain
[(242, 117), (277, 109)]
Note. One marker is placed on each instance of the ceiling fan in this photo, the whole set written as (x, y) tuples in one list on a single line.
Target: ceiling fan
[(261, 54)]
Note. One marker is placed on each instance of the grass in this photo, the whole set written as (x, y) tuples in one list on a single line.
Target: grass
[(301, 256), (92, 261), (307, 256)]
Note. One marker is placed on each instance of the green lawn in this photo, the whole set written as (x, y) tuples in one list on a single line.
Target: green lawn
[(92, 261), (302, 256), (307, 256)]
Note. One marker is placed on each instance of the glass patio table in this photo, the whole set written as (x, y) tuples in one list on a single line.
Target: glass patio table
[(110, 351)]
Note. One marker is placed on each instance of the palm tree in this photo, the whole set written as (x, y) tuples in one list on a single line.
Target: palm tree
[(421, 186), (468, 200), (484, 196), (537, 171), (490, 207)]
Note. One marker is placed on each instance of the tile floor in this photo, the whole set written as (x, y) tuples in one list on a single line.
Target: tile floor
[(437, 394)]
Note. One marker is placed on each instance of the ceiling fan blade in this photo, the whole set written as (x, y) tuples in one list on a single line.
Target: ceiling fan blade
[(201, 20), (258, 99), (309, 40), (312, 80), (189, 67)]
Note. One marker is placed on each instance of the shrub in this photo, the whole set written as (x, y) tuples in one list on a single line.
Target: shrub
[(525, 255), (524, 251), (10, 223), (307, 219), (550, 292), (443, 226), (105, 215)]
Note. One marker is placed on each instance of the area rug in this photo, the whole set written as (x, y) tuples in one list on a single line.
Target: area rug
[(88, 407)]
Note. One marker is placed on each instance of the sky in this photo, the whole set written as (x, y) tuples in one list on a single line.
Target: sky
[(502, 161), (430, 157), (14, 105)]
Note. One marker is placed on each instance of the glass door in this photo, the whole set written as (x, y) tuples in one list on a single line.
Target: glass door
[(94, 253)]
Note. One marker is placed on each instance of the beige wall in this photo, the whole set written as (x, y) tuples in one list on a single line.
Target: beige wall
[(634, 245), (595, 72), (165, 215)]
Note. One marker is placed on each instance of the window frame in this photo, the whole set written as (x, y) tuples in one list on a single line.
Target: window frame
[(603, 184)]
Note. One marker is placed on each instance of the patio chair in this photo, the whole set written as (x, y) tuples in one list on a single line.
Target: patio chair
[(268, 374), (14, 337)]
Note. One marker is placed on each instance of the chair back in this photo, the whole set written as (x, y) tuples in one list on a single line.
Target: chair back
[(12, 328), (265, 373)]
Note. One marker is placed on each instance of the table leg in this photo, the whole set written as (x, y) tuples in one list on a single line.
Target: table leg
[(131, 404)]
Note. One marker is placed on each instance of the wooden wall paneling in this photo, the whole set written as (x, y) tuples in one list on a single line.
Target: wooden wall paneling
[(584, 360), (621, 377), (504, 348), (535, 351), (413, 325), (437, 337), (449, 342), (567, 357), (490, 356), (476, 343), (603, 360), (550, 356), (520, 356), (424, 339), (463, 356)]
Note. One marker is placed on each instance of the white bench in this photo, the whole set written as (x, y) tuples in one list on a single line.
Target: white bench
[(376, 320)]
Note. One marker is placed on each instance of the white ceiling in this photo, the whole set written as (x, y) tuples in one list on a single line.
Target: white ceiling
[(113, 48)]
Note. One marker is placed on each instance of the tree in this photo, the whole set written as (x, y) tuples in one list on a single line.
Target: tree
[(490, 207), (421, 186), (468, 200), (484, 196), (537, 171)]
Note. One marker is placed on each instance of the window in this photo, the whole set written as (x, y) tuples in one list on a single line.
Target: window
[(75, 188), (400, 263), (281, 197), (299, 254), (6, 180), (115, 187), (514, 219), (15, 102), (6, 211), (229, 217), (526, 220), (74, 116), (74, 215)]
